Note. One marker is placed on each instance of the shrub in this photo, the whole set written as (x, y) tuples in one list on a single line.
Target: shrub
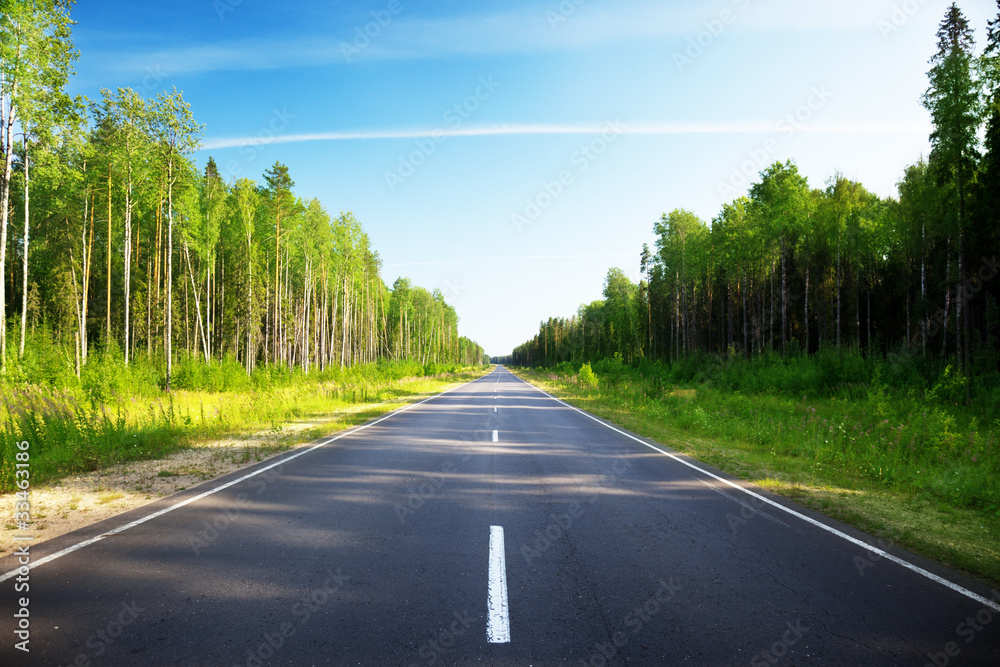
[(586, 377)]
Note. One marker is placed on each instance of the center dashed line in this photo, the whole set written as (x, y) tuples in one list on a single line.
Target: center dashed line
[(498, 616)]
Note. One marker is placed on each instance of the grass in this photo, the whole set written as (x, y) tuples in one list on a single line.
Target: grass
[(109, 497), (906, 466), (76, 429)]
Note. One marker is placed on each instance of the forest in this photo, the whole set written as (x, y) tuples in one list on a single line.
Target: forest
[(788, 269), (113, 242), (831, 345)]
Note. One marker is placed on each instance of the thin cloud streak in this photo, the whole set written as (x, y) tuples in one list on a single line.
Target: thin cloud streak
[(737, 127), (511, 258)]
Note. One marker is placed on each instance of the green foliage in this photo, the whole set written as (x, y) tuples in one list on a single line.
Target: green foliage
[(586, 377), (67, 435), (949, 388), (44, 362), (105, 377), (612, 370), (120, 414), (134, 250), (833, 409), (227, 375)]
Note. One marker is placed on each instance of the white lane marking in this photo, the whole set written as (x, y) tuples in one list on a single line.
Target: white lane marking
[(819, 524), (496, 436), (497, 618), (165, 510)]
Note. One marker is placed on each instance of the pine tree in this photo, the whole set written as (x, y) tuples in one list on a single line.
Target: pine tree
[(953, 101)]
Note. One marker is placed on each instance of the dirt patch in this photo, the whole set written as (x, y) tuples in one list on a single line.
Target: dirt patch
[(80, 500)]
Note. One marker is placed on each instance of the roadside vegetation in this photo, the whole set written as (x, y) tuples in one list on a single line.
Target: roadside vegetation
[(116, 414), (893, 449)]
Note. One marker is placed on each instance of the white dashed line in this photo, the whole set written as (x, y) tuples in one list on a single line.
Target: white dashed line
[(497, 619)]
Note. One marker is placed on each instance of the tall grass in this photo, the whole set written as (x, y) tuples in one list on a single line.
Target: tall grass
[(67, 435), (905, 426), (114, 414)]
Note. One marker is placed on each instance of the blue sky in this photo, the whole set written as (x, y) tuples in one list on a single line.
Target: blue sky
[(509, 154)]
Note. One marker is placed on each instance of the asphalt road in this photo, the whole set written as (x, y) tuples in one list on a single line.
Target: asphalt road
[(491, 525)]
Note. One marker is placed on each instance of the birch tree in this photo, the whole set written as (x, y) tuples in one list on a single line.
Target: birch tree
[(36, 56)]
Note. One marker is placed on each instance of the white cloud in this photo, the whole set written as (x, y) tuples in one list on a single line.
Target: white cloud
[(522, 30), (657, 128)]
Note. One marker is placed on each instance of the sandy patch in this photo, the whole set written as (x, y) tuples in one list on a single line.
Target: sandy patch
[(80, 500)]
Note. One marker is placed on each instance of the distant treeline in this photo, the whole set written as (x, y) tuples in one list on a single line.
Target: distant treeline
[(790, 269), (110, 238)]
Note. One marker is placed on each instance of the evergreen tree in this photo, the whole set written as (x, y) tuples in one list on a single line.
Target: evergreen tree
[(953, 101)]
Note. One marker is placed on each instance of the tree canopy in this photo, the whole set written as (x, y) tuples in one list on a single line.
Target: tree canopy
[(793, 269), (136, 251)]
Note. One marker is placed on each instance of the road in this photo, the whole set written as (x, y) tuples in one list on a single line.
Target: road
[(490, 525)]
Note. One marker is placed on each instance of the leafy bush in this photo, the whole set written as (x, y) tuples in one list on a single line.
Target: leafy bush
[(105, 376), (566, 368), (586, 377)]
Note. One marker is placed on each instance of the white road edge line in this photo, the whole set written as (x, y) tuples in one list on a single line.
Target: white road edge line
[(819, 524), (497, 618), (165, 510)]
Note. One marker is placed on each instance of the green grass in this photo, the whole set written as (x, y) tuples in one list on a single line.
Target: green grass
[(82, 429), (907, 466)]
